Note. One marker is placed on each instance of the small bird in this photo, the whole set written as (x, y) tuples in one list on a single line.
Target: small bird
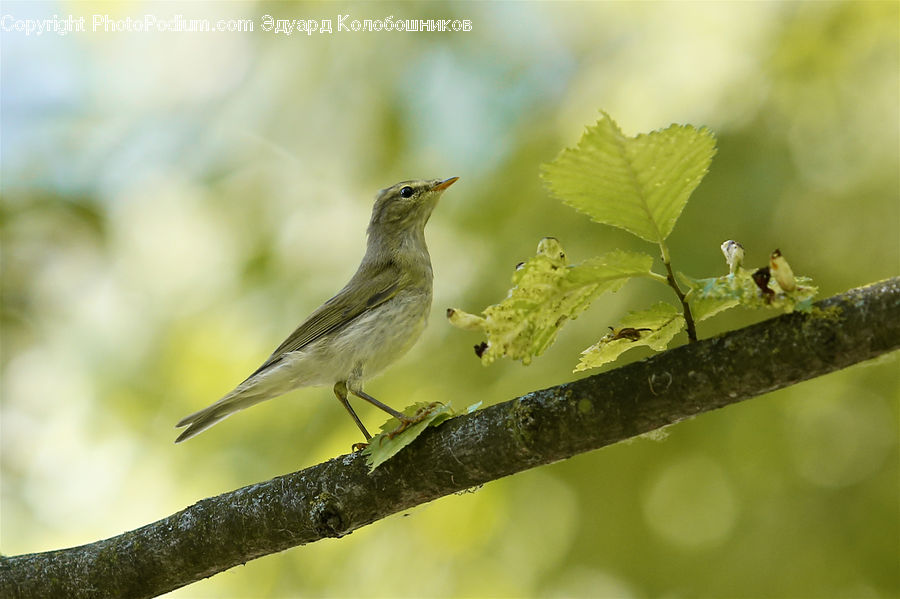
[(376, 318)]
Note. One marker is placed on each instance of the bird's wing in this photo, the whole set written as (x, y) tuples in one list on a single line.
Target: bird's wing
[(360, 295)]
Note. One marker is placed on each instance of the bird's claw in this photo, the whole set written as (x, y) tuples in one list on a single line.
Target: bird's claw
[(404, 424), (408, 421)]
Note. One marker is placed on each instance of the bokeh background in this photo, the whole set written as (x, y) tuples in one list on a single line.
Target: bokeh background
[(173, 204)]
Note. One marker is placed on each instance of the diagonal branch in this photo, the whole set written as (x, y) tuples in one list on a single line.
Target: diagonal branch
[(336, 497)]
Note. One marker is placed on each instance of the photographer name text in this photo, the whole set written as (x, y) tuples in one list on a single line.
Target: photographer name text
[(103, 23)]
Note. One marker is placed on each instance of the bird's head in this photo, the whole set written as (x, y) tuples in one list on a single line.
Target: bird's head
[(406, 206)]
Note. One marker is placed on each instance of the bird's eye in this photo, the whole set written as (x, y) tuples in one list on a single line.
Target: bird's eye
[(406, 192)]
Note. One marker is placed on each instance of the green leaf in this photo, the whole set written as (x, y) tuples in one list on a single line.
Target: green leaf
[(393, 437), (713, 295), (546, 293), (639, 184), (704, 305), (654, 328)]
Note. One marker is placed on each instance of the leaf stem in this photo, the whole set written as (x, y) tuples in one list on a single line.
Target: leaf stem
[(670, 279)]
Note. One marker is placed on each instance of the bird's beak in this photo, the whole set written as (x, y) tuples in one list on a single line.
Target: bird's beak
[(444, 184)]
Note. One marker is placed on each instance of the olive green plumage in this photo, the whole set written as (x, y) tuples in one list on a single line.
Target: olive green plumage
[(372, 321)]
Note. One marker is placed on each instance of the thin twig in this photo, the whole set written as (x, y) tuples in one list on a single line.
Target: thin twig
[(670, 278)]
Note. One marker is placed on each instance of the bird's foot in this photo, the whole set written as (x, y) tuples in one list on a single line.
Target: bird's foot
[(407, 421)]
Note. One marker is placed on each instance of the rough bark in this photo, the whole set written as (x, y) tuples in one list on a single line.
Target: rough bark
[(336, 497)]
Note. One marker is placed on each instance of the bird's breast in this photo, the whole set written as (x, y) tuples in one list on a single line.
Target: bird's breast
[(377, 338)]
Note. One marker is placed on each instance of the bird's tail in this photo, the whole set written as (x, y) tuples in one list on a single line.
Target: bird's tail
[(235, 401)]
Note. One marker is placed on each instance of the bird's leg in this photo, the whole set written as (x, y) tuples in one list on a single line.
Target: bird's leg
[(340, 390), (363, 395), (405, 420)]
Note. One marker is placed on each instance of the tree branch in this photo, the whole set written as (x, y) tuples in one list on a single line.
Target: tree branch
[(336, 497)]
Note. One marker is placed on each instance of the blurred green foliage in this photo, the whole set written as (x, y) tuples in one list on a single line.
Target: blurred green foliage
[(174, 204)]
